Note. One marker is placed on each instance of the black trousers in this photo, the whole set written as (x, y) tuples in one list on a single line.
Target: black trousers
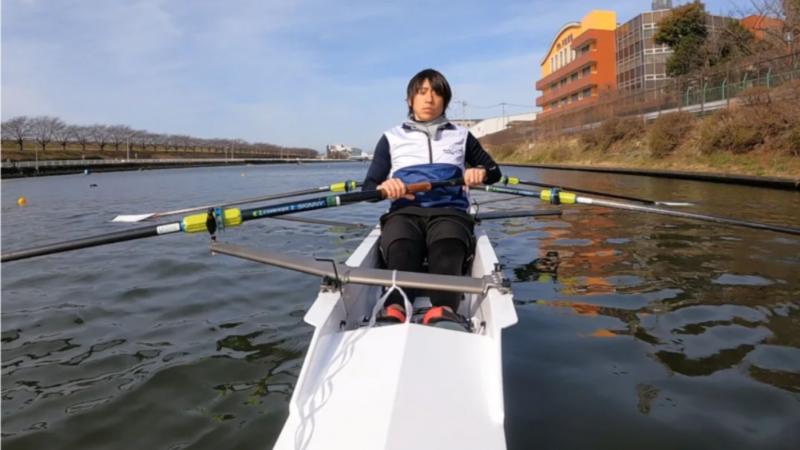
[(445, 241)]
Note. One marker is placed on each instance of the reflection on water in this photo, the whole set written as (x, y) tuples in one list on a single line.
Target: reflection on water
[(604, 295), (636, 331)]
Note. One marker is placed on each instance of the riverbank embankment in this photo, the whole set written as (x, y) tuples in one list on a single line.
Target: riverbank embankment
[(790, 184), (18, 169), (757, 136)]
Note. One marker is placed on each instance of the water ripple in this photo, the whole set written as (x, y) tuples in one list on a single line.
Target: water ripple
[(631, 326)]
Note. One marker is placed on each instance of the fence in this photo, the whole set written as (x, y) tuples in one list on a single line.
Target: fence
[(698, 95)]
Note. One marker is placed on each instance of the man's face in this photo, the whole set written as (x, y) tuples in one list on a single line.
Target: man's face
[(426, 104)]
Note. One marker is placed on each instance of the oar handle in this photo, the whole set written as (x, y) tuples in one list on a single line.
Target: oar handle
[(426, 186), (418, 187)]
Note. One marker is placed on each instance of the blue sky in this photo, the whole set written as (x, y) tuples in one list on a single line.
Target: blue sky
[(290, 72)]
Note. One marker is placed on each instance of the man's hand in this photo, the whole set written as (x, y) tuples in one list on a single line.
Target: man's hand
[(474, 176), (395, 189)]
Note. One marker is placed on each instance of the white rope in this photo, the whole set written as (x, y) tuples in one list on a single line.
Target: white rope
[(379, 304)]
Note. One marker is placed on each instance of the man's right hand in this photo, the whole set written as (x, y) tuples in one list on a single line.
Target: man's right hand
[(395, 189)]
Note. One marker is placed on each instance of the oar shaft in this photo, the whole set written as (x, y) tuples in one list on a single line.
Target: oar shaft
[(336, 187), (337, 200), (515, 180), (94, 241), (228, 217), (309, 205), (343, 186), (569, 197), (687, 215)]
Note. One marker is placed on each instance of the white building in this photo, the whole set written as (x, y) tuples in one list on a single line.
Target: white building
[(343, 151), (466, 123), (500, 123)]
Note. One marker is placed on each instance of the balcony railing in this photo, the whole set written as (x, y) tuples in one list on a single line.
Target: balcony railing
[(572, 66), (571, 87)]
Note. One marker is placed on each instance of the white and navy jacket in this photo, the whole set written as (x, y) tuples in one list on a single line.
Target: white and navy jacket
[(412, 155)]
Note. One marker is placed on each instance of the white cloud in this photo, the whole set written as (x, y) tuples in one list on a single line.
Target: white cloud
[(291, 72)]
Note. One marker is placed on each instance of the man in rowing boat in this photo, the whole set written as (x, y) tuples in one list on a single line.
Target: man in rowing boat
[(436, 224)]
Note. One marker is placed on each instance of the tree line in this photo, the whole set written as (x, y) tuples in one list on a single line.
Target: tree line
[(47, 130), (697, 51)]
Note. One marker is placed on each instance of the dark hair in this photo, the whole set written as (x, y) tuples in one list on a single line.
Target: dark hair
[(438, 83)]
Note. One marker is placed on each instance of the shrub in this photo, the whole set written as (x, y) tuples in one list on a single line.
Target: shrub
[(756, 95), (731, 131), (611, 131), (667, 132), (791, 140), (502, 152)]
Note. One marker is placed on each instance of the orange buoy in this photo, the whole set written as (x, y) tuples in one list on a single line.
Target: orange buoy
[(21, 201)]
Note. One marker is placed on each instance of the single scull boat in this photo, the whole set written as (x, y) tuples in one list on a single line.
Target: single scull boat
[(398, 386)]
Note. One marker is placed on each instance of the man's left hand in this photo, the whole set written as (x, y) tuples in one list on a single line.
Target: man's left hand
[(474, 176)]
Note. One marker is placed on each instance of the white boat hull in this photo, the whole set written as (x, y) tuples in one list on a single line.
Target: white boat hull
[(400, 386)]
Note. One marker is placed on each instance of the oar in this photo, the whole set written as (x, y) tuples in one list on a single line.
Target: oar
[(343, 186), (514, 180), (556, 196), (330, 223), (218, 218), (495, 215)]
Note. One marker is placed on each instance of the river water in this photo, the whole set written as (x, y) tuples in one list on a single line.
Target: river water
[(644, 332)]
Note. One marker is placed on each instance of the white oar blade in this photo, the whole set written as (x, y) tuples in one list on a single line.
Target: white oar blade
[(130, 218), (675, 203)]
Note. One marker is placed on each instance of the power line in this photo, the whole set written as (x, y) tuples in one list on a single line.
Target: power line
[(503, 104)]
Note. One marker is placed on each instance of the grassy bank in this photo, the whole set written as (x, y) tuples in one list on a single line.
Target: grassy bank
[(637, 155), (759, 136)]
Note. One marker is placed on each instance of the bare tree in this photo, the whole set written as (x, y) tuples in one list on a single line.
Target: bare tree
[(100, 135), (18, 128), (64, 135), (222, 145), (44, 129), (137, 137), (82, 135), (183, 141), (117, 134), (146, 139), (778, 27), (162, 140)]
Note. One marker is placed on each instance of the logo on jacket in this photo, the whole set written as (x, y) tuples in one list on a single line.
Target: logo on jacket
[(454, 149)]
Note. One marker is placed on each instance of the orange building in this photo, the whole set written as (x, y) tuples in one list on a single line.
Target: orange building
[(579, 64), (763, 26)]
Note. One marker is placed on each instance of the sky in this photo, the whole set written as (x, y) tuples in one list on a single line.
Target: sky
[(296, 73)]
